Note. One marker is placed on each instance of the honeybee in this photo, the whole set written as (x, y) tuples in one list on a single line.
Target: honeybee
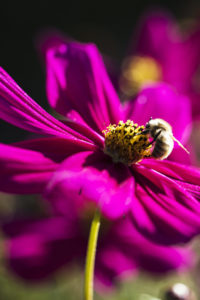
[(163, 139)]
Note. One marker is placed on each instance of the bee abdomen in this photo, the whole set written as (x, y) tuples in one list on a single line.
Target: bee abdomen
[(159, 149), (163, 146)]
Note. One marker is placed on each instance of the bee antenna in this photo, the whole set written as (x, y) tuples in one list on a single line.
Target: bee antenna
[(179, 143)]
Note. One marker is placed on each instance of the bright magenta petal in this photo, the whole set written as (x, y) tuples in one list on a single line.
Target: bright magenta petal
[(168, 212), (174, 170), (78, 85), (162, 101), (56, 148), (147, 255), (91, 178), (24, 171), (17, 108)]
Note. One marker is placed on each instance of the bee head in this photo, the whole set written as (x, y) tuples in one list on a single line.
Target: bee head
[(149, 124)]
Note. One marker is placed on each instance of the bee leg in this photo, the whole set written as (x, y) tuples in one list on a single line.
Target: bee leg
[(155, 138), (143, 132)]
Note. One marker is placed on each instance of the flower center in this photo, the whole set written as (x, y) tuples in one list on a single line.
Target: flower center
[(137, 71), (125, 144)]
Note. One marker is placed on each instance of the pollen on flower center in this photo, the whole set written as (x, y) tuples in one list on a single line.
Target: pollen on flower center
[(124, 143)]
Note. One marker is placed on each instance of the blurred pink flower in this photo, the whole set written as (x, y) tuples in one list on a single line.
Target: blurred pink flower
[(171, 55), (158, 199)]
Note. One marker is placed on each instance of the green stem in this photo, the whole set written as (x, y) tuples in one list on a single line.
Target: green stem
[(90, 257)]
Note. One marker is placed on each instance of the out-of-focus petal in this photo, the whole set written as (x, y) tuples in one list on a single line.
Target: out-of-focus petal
[(182, 61), (78, 82), (24, 171), (35, 249), (48, 39), (176, 52), (155, 33), (145, 254), (17, 108), (162, 101), (91, 178), (168, 213), (112, 264), (118, 260)]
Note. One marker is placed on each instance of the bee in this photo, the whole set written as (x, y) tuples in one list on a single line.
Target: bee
[(163, 140)]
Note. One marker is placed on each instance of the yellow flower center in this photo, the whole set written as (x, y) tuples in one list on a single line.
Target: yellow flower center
[(137, 71), (125, 144)]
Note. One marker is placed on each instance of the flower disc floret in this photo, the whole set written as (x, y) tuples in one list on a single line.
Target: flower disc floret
[(125, 144)]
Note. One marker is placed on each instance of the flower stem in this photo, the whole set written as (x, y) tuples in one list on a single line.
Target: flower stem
[(90, 257)]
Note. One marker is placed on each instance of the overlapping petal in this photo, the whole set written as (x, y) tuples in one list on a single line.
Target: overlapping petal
[(24, 171), (164, 210), (143, 253), (37, 248), (55, 148), (17, 108), (113, 264), (78, 85), (91, 178), (186, 176), (162, 101)]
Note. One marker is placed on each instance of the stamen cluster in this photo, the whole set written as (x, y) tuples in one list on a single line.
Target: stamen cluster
[(125, 144)]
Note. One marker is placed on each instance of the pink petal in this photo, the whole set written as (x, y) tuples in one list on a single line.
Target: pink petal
[(177, 73), (24, 171), (170, 212), (147, 256), (185, 176), (174, 170), (112, 264), (37, 248), (161, 101), (56, 148), (17, 108), (78, 82), (91, 178), (156, 32), (123, 251)]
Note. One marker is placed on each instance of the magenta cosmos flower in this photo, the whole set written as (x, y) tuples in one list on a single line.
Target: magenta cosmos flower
[(150, 199), (162, 52)]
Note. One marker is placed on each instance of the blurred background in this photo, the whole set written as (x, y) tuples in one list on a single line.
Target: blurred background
[(109, 24)]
